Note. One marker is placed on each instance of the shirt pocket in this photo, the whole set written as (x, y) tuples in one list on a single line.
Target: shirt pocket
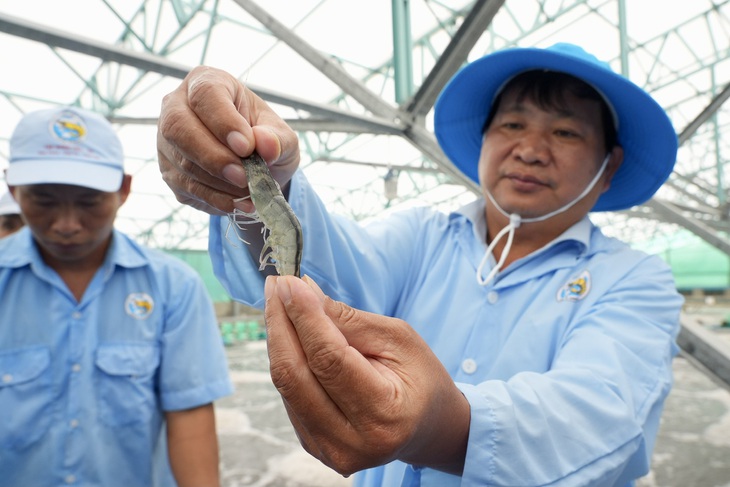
[(127, 383), (26, 396)]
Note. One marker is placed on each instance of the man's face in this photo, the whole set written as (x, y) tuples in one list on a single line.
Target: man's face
[(71, 224), (534, 160)]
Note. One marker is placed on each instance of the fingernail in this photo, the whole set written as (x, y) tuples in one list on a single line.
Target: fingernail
[(235, 174), (313, 285), (278, 143), (238, 143), (269, 286), (283, 288)]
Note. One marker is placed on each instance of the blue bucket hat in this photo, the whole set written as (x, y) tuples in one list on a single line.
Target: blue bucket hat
[(645, 132)]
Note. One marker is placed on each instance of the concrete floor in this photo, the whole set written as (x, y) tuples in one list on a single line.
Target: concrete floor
[(259, 447), (693, 447)]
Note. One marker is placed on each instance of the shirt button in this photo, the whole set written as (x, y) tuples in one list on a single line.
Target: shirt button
[(469, 366), (7, 378), (76, 367), (73, 423), (492, 297), (76, 315), (70, 479)]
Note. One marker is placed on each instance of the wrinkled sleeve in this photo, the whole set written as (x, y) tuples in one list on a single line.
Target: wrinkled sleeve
[(593, 417), (343, 257), (193, 369)]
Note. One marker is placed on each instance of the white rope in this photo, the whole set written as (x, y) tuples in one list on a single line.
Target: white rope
[(516, 220)]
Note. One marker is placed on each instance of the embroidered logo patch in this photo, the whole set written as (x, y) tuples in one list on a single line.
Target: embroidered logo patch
[(69, 127), (139, 305), (575, 289)]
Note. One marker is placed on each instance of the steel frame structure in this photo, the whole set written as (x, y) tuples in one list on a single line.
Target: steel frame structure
[(685, 64)]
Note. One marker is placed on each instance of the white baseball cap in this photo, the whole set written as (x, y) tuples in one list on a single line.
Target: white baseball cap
[(66, 145), (8, 206)]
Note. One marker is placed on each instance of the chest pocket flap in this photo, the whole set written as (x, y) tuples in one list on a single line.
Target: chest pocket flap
[(128, 360), (126, 392), (19, 366)]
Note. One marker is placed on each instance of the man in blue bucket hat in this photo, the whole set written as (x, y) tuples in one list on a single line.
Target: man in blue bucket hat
[(506, 343)]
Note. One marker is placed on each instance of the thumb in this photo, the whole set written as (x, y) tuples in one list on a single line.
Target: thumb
[(314, 287), (305, 305), (369, 333), (338, 312)]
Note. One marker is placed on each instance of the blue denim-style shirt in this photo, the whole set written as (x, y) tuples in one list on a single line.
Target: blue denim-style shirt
[(84, 385), (565, 358)]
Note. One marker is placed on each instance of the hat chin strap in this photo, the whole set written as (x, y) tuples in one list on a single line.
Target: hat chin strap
[(516, 220)]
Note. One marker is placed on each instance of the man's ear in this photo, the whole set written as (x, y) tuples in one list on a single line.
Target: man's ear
[(125, 189), (614, 162)]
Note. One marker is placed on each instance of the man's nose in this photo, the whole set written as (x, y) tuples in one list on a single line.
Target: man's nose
[(66, 221), (533, 147)]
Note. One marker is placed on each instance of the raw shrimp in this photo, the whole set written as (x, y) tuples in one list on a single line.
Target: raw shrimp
[(281, 230)]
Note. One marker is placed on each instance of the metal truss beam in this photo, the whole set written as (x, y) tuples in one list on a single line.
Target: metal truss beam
[(453, 57), (73, 42), (696, 201), (326, 115), (709, 111), (670, 213)]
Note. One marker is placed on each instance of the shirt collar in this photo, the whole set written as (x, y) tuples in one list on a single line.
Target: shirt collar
[(475, 212), (19, 249)]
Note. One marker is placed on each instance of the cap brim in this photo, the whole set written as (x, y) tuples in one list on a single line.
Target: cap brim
[(644, 130), (96, 176)]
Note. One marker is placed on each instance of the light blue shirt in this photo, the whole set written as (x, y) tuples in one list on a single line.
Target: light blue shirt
[(565, 358), (84, 385)]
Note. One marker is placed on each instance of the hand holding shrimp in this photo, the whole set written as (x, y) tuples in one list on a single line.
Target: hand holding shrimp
[(337, 367), (206, 125)]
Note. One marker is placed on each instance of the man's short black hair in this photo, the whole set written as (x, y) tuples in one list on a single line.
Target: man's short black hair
[(548, 89)]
